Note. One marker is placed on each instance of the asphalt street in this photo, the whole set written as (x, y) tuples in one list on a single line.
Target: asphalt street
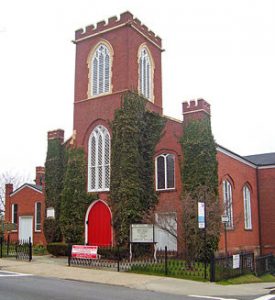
[(15, 286), (23, 287)]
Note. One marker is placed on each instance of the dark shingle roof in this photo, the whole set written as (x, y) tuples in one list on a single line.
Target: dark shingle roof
[(264, 159)]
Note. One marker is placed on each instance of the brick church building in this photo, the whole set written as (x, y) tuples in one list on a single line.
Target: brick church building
[(124, 55)]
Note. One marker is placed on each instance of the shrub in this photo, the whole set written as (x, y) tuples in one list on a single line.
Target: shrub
[(58, 249), (112, 253), (51, 230), (39, 250)]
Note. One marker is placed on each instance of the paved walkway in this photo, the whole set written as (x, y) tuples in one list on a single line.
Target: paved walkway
[(57, 267)]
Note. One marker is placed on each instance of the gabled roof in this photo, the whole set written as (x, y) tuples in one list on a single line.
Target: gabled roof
[(264, 159), (35, 187)]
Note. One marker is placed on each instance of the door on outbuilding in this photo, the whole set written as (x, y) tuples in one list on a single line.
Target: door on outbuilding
[(25, 228), (100, 225)]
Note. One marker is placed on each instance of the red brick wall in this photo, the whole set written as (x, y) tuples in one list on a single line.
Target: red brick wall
[(125, 42), (239, 174), (25, 199), (267, 208)]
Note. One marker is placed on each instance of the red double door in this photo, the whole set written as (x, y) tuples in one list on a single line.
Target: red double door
[(100, 225)]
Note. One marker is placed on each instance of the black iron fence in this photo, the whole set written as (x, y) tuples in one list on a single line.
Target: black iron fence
[(167, 263), (264, 264), (225, 267), (19, 249)]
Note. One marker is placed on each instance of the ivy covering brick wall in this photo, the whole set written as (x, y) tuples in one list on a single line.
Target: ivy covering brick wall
[(136, 132), (200, 184)]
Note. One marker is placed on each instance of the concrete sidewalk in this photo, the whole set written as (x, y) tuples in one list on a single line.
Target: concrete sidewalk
[(58, 268)]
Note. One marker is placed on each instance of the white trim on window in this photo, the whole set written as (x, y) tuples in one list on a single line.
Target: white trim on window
[(100, 65), (228, 203), (37, 225), (247, 208), (13, 215), (146, 73), (165, 184), (99, 150)]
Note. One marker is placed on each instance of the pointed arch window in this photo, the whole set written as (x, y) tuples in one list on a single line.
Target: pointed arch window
[(227, 202), (145, 74), (247, 208), (99, 160), (101, 70)]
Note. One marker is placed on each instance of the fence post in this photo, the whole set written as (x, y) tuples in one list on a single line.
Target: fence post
[(118, 258), (1, 247), (8, 245), (69, 254), (30, 249), (165, 261), (212, 269)]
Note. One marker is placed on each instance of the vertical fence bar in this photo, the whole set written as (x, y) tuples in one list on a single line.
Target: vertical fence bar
[(69, 254), (165, 262), (1, 247), (8, 245), (118, 259), (30, 249), (212, 269)]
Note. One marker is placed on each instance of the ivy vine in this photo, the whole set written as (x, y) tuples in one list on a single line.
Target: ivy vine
[(135, 133)]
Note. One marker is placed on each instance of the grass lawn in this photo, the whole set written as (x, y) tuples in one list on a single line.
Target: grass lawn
[(248, 278)]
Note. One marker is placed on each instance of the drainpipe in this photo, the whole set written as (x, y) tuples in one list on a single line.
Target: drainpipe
[(259, 210)]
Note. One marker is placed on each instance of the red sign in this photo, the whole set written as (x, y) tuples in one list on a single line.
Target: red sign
[(89, 252)]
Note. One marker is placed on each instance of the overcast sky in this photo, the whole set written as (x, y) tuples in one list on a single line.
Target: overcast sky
[(222, 51)]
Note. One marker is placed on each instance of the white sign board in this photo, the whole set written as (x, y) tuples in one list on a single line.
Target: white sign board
[(201, 215), (236, 261), (142, 233), (225, 219)]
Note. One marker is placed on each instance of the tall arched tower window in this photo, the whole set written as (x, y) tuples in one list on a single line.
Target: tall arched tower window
[(100, 70), (145, 73), (228, 203), (247, 208), (99, 160)]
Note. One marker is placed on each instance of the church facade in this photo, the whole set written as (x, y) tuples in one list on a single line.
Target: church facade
[(123, 55)]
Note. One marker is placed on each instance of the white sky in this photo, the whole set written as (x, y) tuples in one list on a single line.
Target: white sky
[(222, 51)]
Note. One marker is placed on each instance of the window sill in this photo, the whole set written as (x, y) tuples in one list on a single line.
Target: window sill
[(248, 229), (167, 190), (37, 231)]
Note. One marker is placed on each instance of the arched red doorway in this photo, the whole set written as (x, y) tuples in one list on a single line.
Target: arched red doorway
[(99, 225)]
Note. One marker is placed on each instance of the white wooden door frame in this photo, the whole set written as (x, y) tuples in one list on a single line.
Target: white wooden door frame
[(30, 229)]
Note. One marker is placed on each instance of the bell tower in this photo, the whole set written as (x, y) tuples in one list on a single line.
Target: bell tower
[(111, 58)]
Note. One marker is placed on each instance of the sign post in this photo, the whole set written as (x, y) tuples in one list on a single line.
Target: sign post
[(144, 234), (225, 220), (201, 215)]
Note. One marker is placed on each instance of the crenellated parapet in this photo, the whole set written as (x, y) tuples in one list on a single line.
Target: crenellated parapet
[(56, 134), (195, 105), (195, 110), (126, 19)]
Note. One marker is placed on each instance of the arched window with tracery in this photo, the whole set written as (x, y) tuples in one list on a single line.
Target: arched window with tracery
[(99, 160), (100, 74), (145, 73)]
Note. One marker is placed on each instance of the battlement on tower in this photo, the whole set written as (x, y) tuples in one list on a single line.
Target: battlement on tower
[(56, 134), (126, 19), (195, 106), (195, 110)]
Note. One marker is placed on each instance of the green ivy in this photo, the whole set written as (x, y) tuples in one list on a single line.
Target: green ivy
[(135, 133), (54, 175), (74, 199), (200, 183)]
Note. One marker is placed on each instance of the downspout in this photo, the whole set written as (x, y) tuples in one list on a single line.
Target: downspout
[(259, 210)]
